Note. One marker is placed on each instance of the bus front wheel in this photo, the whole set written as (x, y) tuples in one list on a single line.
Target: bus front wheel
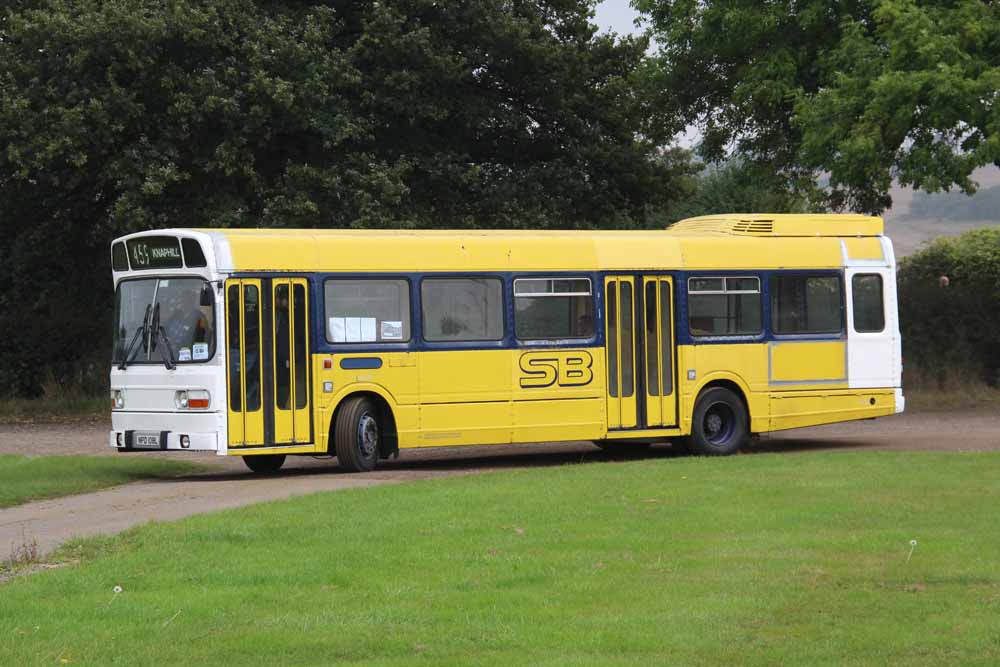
[(719, 426), (265, 464), (357, 434)]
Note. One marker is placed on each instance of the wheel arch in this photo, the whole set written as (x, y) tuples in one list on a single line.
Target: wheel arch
[(733, 383), (704, 440), (389, 445)]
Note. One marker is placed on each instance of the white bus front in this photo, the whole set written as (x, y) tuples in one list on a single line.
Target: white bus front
[(168, 366)]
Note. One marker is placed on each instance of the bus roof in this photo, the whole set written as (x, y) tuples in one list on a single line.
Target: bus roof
[(780, 225), (710, 242)]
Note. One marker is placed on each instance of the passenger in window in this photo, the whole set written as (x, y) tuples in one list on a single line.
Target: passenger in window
[(584, 326)]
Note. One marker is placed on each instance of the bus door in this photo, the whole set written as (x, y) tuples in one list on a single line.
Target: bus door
[(619, 331), (267, 335), (658, 351), (290, 336), (243, 355), (639, 347)]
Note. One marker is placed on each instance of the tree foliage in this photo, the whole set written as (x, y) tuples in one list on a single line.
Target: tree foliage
[(866, 90), (135, 114), (732, 186)]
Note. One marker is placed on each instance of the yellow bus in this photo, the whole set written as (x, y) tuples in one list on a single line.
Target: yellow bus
[(357, 344)]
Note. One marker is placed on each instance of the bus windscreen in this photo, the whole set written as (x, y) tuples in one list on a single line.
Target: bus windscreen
[(186, 315)]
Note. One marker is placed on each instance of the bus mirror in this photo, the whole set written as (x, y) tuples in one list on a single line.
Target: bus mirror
[(206, 296)]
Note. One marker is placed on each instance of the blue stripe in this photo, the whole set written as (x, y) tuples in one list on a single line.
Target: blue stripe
[(320, 345), (682, 334)]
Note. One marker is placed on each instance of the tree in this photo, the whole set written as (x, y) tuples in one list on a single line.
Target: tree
[(866, 90), (138, 114), (732, 186)]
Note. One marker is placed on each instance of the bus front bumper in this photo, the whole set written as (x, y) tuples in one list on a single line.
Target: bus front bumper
[(167, 431)]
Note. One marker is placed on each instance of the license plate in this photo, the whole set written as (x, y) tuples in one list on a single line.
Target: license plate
[(146, 440)]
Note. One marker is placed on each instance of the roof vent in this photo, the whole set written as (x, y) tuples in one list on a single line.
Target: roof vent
[(753, 227)]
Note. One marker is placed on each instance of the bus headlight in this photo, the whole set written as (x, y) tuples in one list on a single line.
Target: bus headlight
[(192, 399), (117, 399)]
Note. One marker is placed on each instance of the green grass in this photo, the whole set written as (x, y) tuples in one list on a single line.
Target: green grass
[(26, 478), (954, 389), (973, 396), (72, 407), (761, 560)]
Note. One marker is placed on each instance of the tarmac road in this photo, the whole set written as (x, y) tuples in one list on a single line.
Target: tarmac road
[(229, 484)]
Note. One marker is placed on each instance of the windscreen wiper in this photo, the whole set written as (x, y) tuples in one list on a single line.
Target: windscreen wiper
[(140, 332), (161, 336)]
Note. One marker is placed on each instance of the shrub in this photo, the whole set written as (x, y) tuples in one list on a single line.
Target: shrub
[(949, 308)]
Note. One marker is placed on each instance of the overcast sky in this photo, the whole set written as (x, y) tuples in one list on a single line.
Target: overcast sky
[(616, 16)]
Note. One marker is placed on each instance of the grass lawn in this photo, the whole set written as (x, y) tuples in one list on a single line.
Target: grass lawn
[(60, 408), (970, 397), (25, 478), (765, 559)]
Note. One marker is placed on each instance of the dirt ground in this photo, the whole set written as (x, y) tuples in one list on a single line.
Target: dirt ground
[(229, 484)]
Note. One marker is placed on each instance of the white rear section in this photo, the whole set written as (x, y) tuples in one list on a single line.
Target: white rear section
[(874, 359)]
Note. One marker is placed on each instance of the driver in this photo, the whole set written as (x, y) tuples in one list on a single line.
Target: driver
[(185, 324)]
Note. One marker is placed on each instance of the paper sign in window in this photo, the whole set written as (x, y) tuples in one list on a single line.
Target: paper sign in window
[(368, 329), (392, 330), (338, 329), (353, 329)]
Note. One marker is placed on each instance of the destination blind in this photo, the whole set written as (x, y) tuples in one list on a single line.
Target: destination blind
[(155, 252)]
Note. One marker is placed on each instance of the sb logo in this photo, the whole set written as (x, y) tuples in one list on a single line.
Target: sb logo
[(567, 369)]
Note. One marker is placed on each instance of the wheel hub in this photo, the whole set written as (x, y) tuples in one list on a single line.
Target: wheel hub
[(368, 436), (713, 424), (719, 423)]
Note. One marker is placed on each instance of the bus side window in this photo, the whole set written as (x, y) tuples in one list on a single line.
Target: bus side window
[(553, 308), (869, 309), (806, 304), (462, 309), (724, 306), (383, 301)]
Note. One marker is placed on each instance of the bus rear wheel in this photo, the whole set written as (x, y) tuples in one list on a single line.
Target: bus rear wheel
[(357, 435), (719, 424), (265, 464)]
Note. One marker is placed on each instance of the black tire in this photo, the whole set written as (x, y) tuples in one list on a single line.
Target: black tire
[(357, 435), (719, 426), (265, 464), (622, 447)]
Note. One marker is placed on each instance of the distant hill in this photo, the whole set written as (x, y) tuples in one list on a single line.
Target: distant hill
[(918, 217), (984, 205)]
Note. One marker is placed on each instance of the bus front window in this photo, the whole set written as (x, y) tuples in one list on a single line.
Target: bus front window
[(186, 315)]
